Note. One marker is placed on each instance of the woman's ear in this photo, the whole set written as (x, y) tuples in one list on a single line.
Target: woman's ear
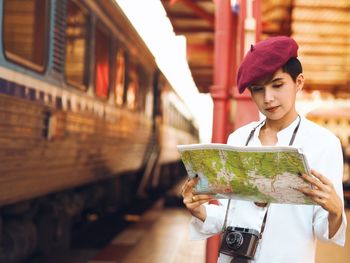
[(300, 82)]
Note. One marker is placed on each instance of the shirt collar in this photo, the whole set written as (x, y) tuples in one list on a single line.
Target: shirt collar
[(283, 136)]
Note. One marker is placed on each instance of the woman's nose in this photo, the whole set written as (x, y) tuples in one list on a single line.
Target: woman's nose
[(268, 95)]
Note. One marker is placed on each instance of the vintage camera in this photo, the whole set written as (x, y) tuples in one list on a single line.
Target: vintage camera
[(240, 242)]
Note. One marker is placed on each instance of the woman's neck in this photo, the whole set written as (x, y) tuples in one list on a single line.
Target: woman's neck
[(278, 125)]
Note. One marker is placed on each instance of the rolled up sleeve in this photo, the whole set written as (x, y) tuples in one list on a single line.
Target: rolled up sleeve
[(321, 228), (212, 224), (331, 166)]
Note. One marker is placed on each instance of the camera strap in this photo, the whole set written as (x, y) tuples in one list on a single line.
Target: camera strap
[(251, 134), (226, 215), (263, 223)]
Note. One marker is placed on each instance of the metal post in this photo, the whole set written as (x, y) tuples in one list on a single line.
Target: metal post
[(248, 33), (223, 81), (229, 51)]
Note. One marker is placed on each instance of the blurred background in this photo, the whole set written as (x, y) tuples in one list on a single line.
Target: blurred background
[(96, 95)]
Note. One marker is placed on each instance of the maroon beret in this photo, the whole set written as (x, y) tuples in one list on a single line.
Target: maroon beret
[(264, 59)]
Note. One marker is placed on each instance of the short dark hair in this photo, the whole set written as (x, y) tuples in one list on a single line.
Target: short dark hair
[(293, 68)]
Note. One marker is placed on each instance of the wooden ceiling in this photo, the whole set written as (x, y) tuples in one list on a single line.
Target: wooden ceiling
[(322, 30), (321, 27), (195, 19)]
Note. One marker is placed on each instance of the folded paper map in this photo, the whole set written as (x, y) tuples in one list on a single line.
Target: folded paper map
[(259, 174)]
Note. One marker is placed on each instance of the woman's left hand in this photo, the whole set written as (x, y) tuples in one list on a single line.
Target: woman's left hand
[(323, 193)]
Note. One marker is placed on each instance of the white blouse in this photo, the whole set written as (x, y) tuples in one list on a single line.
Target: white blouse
[(291, 230)]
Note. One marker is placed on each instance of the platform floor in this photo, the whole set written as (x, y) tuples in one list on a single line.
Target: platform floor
[(161, 235), (329, 253)]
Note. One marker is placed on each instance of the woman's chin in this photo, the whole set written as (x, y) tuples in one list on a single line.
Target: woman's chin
[(273, 115)]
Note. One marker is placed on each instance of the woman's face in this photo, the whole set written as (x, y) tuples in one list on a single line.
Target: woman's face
[(276, 98)]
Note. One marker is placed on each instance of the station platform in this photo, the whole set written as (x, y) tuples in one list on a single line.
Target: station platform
[(161, 235)]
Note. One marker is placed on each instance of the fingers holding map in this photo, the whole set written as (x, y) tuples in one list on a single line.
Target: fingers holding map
[(260, 174)]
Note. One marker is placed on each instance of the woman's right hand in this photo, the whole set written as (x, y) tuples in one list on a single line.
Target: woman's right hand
[(194, 202)]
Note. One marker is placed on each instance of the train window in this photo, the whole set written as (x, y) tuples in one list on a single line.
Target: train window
[(120, 78), (144, 85), (76, 45), (132, 88), (25, 32), (102, 54)]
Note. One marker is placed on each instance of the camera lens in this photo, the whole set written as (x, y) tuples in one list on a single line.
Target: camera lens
[(234, 240)]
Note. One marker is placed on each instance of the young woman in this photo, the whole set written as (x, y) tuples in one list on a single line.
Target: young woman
[(273, 75)]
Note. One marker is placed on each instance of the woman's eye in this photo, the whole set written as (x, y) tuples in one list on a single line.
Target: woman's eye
[(256, 88), (277, 85)]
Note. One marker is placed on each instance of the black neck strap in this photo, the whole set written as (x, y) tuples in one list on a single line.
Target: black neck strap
[(251, 134), (263, 223), (246, 144)]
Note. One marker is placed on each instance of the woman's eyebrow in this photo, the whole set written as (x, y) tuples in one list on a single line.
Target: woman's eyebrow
[(276, 79)]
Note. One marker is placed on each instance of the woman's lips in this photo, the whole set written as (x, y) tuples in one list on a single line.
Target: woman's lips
[(271, 109)]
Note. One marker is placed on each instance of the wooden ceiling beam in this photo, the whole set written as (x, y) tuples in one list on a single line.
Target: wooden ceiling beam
[(276, 17), (320, 15), (208, 81), (202, 74), (192, 29), (201, 66), (322, 29), (198, 10), (203, 47), (324, 50), (335, 8), (274, 9), (311, 39), (181, 15)]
